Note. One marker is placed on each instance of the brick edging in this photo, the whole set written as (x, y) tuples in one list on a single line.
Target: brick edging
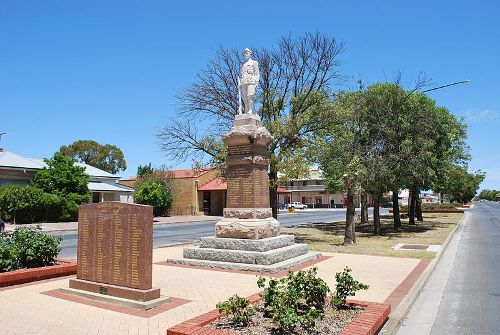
[(62, 268), (368, 322)]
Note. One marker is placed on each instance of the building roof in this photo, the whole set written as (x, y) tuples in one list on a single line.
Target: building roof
[(282, 190), (13, 161), (217, 184), (178, 174), (105, 187)]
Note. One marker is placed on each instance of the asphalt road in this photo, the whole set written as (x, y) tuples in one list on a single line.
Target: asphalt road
[(178, 233), (463, 293)]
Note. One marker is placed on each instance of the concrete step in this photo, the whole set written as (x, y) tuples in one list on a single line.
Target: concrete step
[(248, 257), (264, 244), (273, 268)]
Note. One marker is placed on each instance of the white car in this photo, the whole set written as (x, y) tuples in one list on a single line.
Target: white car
[(297, 205)]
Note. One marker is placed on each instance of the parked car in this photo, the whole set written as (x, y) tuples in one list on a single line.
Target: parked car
[(387, 204), (297, 205), (281, 205)]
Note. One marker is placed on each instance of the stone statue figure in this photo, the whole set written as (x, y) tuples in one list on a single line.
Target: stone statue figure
[(248, 81)]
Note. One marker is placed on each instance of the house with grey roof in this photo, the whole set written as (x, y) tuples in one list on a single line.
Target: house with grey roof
[(18, 170)]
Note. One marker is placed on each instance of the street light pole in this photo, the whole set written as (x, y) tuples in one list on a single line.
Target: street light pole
[(437, 88)]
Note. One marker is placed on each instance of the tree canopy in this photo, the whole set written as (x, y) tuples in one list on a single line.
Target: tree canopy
[(296, 77), (65, 180), (106, 157)]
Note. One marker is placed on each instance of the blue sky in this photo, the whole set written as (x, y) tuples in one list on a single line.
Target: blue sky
[(108, 70)]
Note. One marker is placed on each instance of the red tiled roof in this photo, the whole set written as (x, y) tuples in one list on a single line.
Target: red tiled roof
[(217, 184), (178, 174)]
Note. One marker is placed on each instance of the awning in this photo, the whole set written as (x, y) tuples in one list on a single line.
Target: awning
[(217, 184), (105, 187)]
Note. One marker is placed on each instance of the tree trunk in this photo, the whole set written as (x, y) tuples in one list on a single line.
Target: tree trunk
[(418, 207), (395, 210), (376, 214), (364, 207), (411, 205), (350, 225)]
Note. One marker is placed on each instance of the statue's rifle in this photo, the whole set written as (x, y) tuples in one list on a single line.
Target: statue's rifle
[(240, 108)]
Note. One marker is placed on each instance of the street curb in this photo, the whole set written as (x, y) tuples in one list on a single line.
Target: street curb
[(399, 314)]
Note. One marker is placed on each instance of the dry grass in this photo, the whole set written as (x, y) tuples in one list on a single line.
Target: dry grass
[(329, 236)]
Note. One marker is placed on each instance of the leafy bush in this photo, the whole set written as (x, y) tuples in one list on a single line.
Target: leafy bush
[(27, 248), (26, 204), (433, 206), (239, 308), (346, 287), (155, 193), (295, 300)]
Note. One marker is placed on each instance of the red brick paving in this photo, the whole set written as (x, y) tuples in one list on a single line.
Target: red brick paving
[(172, 303), (402, 290)]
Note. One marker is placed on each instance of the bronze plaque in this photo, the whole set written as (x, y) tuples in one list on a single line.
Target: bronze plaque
[(115, 244)]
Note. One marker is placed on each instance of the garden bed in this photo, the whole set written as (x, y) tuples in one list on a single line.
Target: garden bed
[(368, 319), (21, 276)]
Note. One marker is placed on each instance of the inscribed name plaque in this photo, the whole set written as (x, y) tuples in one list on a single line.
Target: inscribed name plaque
[(115, 250)]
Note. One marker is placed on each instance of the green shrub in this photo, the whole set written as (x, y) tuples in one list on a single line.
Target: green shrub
[(239, 308), (434, 206), (155, 193), (8, 259), (346, 287), (27, 248), (27, 204), (295, 300)]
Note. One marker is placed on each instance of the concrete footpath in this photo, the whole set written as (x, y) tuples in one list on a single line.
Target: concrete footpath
[(421, 316), (68, 226), (38, 308)]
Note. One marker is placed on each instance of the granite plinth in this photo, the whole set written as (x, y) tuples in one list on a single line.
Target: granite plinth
[(273, 268), (247, 228), (264, 244), (115, 290), (249, 257)]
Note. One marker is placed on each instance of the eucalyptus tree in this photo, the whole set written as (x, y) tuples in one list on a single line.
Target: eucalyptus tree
[(341, 149), (295, 77)]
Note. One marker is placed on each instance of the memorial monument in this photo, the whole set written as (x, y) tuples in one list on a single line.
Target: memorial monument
[(115, 255), (248, 237)]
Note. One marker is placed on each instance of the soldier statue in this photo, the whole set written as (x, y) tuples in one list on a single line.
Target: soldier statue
[(247, 82)]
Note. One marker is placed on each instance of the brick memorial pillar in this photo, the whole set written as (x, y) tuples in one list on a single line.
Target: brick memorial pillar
[(115, 255)]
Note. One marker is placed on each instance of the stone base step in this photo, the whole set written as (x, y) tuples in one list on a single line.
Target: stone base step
[(249, 257), (277, 267), (264, 244), (143, 305)]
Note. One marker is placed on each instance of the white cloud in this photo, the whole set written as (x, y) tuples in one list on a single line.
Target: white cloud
[(488, 114)]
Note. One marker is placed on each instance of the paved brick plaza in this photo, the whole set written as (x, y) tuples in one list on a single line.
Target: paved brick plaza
[(24, 310)]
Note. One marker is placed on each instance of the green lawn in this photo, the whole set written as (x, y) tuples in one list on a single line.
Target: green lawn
[(329, 236)]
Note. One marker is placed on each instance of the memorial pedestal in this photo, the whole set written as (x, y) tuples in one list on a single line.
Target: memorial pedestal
[(115, 255), (248, 237)]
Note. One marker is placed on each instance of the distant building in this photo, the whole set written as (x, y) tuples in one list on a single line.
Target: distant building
[(18, 170), (311, 191), (196, 191)]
